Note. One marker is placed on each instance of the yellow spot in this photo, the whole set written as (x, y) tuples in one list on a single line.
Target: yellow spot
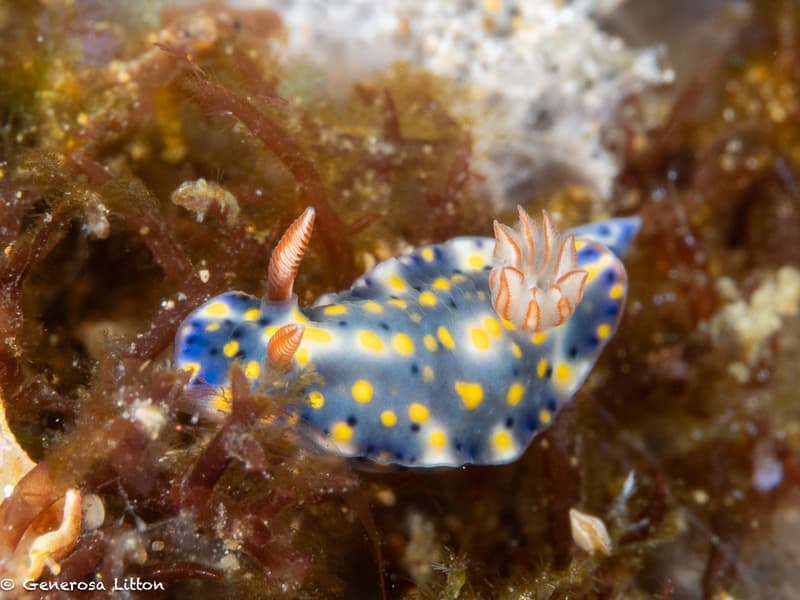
[(541, 368), (430, 343), (212, 327), (415, 317), (515, 393), (373, 307), (427, 375), (370, 341), (545, 416), (508, 325), (397, 283), (252, 370), (471, 393), (427, 299), (479, 338), (403, 344), (221, 403), (457, 278), (192, 368), (492, 326), (616, 291), (269, 331), (252, 314), (445, 338), (302, 356), (476, 261), (603, 331), (427, 254), (231, 348), (335, 309), (316, 399), (388, 418), (592, 270), (539, 338), (362, 391), (441, 284), (342, 432), (418, 413), (398, 303), (562, 373), (298, 317), (502, 440), (438, 439), (217, 309), (515, 350), (315, 334), (579, 244)]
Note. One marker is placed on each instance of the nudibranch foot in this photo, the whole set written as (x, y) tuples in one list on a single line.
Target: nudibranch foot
[(413, 364)]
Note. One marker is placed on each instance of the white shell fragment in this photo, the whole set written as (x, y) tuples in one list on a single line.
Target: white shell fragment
[(589, 533)]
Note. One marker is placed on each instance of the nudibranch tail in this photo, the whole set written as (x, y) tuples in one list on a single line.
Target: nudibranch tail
[(283, 345), (287, 256), (533, 286)]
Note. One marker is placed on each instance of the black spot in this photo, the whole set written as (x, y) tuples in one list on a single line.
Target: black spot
[(351, 420), (452, 303), (472, 451), (457, 271), (549, 372), (611, 309), (437, 253), (384, 325), (342, 323), (479, 243), (227, 322), (236, 334), (191, 340), (239, 355), (488, 267), (398, 455), (264, 321), (515, 371), (592, 342), (305, 415), (458, 446), (603, 230), (412, 459), (531, 425), (551, 404), (213, 352), (368, 281), (415, 427), (414, 369), (611, 275), (197, 324), (394, 297), (509, 422), (416, 288), (572, 352), (369, 450), (417, 259), (326, 431)]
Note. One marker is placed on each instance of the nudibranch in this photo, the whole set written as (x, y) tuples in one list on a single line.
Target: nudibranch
[(459, 352)]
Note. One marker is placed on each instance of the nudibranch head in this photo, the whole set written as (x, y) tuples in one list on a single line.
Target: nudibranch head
[(536, 283), (456, 353)]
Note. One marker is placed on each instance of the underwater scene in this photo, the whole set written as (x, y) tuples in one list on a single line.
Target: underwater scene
[(418, 300)]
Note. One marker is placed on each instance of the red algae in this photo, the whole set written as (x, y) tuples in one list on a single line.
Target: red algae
[(684, 441)]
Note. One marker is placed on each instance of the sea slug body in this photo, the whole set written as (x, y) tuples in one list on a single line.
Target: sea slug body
[(456, 353)]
